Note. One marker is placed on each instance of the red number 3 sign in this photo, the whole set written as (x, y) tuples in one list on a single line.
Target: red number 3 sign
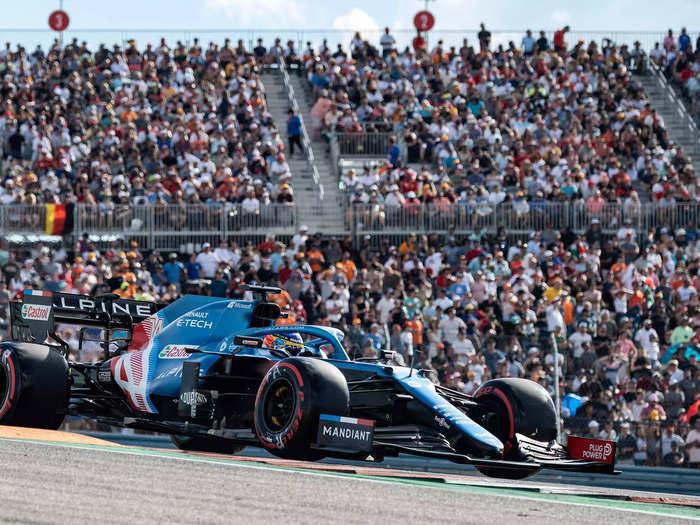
[(58, 20)]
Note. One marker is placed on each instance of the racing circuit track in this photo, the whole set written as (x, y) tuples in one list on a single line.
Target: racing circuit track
[(56, 477)]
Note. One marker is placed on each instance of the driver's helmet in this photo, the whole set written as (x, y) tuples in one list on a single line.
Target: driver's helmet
[(291, 342)]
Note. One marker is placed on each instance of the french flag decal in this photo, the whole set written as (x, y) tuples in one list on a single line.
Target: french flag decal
[(351, 420)]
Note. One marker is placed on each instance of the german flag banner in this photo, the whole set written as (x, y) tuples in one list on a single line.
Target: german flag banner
[(59, 219)]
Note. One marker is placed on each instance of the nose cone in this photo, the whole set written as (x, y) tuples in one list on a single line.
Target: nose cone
[(486, 443)]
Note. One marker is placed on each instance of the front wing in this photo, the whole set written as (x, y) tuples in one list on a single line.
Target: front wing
[(534, 456), (357, 438), (349, 435)]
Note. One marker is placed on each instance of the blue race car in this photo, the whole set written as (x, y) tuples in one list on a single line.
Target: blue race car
[(218, 375)]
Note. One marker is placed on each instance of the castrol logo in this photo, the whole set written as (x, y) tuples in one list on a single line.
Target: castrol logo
[(36, 312)]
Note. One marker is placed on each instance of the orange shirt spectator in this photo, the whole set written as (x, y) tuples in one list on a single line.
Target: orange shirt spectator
[(649, 280), (407, 247), (569, 307), (126, 290), (286, 321), (128, 116), (636, 299), (348, 268), (618, 267), (281, 299), (609, 138), (78, 268), (415, 326), (316, 259)]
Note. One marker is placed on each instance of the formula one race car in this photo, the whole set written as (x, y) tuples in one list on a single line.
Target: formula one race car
[(218, 375)]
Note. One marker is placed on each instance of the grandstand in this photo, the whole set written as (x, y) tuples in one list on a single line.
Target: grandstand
[(471, 200), (429, 103)]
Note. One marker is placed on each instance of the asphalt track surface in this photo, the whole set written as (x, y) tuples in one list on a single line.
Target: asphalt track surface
[(45, 481)]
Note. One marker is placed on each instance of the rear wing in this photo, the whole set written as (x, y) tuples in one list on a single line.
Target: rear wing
[(66, 304), (33, 319)]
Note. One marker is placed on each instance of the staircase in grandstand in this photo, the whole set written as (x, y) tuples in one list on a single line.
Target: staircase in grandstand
[(330, 214), (679, 124), (317, 208)]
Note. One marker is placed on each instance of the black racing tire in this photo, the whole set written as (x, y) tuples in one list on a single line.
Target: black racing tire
[(34, 386), (291, 396), (206, 444), (516, 406)]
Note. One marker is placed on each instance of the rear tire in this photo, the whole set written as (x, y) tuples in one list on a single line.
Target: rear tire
[(206, 444), (516, 406), (290, 399), (34, 386)]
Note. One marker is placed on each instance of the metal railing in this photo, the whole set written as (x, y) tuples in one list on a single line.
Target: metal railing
[(675, 100), (306, 141), (517, 219), (334, 150), (373, 144), (175, 225), (156, 227), (20, 218)]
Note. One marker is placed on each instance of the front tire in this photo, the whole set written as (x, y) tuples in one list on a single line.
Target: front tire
[(34, 386), (291, 396), (516, 406)]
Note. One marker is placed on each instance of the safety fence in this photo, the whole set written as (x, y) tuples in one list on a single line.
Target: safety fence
[(517, 218), (364, 144), (174, 225), (170, 226), (22, 218)]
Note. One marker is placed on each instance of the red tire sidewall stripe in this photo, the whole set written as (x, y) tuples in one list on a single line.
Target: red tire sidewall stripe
[(295, 425), (296, 372), (511, 421), (8, 359)]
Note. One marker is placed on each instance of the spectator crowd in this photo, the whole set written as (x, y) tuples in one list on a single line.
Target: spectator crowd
[(483, 126), (124, 127)]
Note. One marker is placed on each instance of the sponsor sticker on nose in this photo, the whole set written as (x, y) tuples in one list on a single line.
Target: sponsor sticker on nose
[(345, 433), (591, 449)]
